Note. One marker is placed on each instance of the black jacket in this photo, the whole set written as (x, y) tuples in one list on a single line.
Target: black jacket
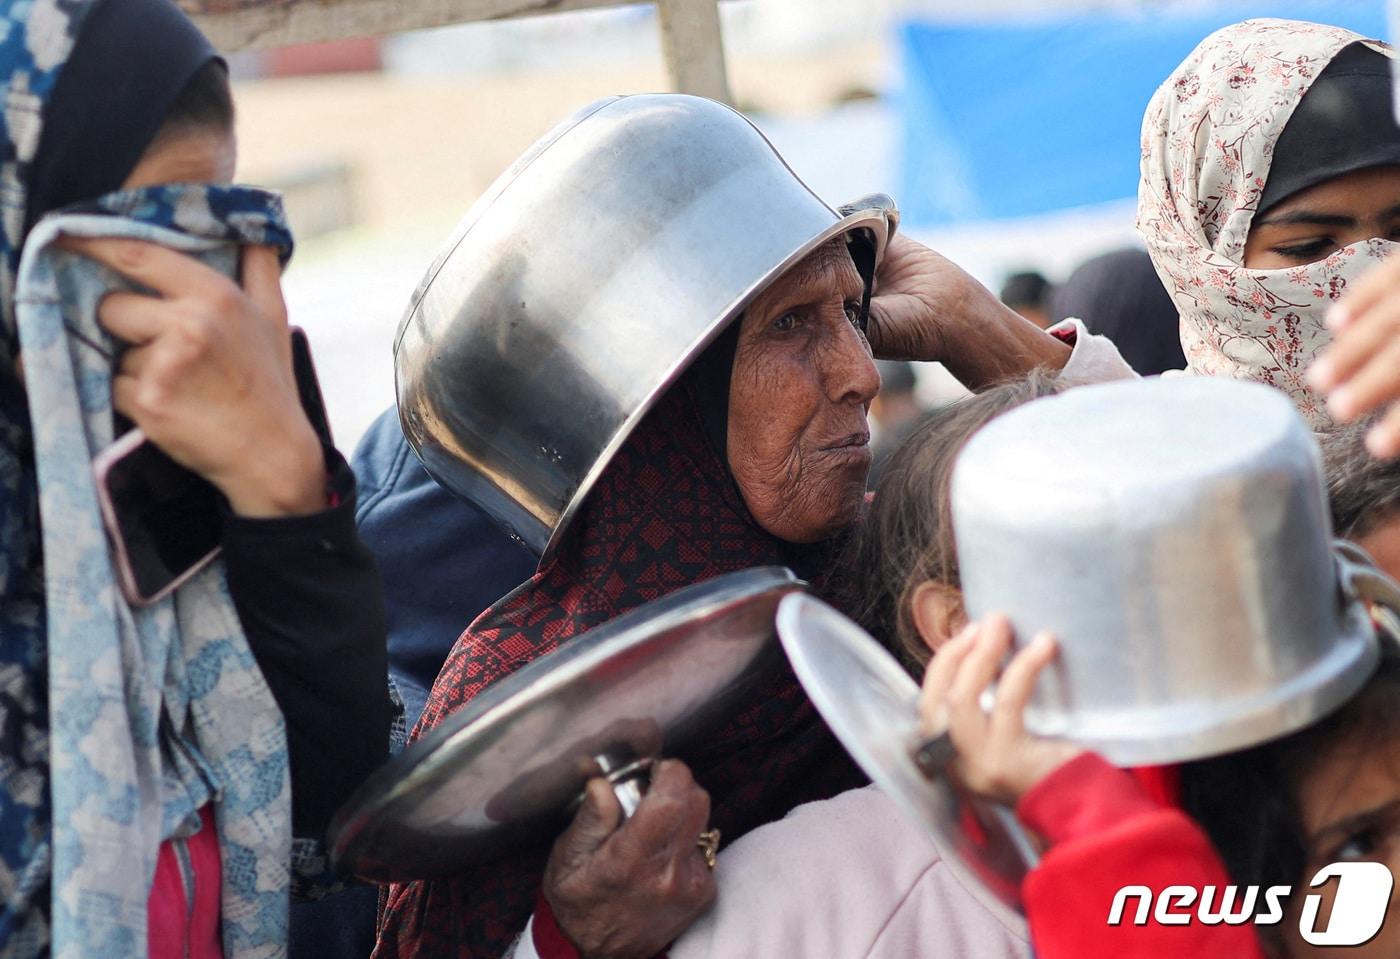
[(310, 600)]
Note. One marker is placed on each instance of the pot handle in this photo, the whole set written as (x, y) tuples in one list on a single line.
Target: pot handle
[(629, 781), (881, 203), (932, 754), (1362, 580)]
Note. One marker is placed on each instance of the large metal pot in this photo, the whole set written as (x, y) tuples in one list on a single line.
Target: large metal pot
[(871, 704), (1174, 535), (581, 285)]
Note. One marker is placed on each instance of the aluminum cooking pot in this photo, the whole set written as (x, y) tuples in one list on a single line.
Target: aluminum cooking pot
[(580, 286), (1174, 535), (871, 704)]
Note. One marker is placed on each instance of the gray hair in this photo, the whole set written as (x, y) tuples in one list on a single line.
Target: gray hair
[(1363, 491)]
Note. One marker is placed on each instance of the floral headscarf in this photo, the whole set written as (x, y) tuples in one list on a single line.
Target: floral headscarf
[(1207, 144)]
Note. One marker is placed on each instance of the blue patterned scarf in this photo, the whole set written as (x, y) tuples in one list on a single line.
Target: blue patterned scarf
[(30, 61), (116, 725), (153, 712)]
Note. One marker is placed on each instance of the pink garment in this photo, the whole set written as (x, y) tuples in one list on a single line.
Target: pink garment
[(1207, 143), (180, 926), (845, 878)]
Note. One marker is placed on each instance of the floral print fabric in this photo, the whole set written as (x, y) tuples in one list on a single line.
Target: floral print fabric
[(1207, 142)]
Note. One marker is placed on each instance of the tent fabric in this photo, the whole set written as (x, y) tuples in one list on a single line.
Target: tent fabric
[(1017, 118)]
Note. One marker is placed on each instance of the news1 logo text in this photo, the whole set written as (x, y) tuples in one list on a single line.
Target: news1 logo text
[(1358, 907)]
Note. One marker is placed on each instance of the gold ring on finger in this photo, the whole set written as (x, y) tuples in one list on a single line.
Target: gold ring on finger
[(708, 844)]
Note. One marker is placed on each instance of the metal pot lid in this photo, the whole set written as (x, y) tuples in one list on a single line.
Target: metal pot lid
[(507, 768), (871, 704)]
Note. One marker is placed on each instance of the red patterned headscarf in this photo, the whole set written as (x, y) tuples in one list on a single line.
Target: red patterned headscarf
[(665, 514)]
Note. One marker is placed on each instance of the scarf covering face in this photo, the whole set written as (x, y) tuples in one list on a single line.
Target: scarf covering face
[(152, 712), (1207, 143), (30, 62), (663, 515), (117, 724)]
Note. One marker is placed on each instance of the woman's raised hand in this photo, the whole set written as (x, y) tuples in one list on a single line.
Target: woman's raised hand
[(997, 758), (926, 307), (207, 374), (1360, 371)]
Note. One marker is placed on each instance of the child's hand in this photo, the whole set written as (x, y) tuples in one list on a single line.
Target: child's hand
[(1360, 371), (997, 758)]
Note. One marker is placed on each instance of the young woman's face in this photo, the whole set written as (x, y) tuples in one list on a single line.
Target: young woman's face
[(1319, 221), (1350, 805)]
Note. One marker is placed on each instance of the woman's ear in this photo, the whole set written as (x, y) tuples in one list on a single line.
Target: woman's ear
[(938, 612)]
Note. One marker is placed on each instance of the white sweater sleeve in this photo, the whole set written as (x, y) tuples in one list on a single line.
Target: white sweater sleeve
[(1094, 358), (524, 946)]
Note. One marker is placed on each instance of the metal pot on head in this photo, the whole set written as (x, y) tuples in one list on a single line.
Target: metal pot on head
[(1174, 535), (582, 284)]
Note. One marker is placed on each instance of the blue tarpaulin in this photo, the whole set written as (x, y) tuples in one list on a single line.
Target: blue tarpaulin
[(1017, 118)]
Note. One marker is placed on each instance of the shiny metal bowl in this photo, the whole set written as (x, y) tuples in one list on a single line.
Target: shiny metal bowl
[(1174, 535), (581, 285)]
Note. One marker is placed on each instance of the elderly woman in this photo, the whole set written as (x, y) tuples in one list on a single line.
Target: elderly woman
[(754, 451), (854, 877)]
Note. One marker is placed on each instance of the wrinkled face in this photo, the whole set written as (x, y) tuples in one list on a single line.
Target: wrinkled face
[(1317, 222), (799, 444), (1350, 807)]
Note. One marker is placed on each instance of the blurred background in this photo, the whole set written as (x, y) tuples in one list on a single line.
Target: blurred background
[(1006, 129)]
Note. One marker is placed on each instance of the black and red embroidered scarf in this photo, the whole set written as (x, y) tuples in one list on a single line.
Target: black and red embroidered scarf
[(665, 514)]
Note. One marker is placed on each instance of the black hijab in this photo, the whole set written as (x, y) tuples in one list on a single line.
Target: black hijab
[(1344, 123), (129, 63)]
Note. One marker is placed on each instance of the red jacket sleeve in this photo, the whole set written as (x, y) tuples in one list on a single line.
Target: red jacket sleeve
[(1106, 832)]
